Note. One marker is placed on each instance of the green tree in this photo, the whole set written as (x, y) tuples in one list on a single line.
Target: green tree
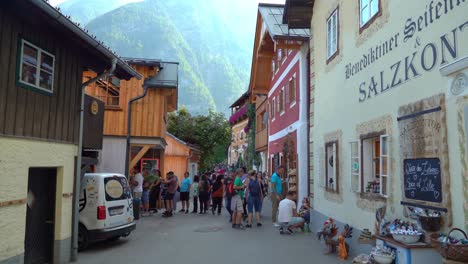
[(210, 132)]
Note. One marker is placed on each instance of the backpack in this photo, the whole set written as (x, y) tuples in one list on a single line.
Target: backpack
[(231, 190), (254, 187)]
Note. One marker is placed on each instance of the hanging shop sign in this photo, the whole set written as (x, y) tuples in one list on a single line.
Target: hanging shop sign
[(424, 58)]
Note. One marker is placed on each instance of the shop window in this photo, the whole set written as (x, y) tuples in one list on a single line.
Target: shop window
[(36, 68), (370, 165), (369, 9), (281, 101), (332, 35), (292, 91), (331, 166)]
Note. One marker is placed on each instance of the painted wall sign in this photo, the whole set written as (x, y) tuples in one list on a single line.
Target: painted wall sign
[(422, 179), (424, 58), (94, 108)]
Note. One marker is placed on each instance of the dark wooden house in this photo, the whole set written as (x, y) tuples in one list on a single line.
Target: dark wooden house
[(43, 55)]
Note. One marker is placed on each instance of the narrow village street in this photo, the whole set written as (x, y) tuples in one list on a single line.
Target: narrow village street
[(207, 239)]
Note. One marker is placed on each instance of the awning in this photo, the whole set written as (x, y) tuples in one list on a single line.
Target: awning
[(167, 77)]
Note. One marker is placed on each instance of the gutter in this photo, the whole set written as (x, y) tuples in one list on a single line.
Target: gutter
[(78, 172), (63, 20), (129, 127)]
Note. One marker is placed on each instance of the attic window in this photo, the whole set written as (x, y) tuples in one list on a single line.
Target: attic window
[(109, 91), (36, 68)]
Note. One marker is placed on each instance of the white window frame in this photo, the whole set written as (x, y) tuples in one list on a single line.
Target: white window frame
[(384, 145), (332, 35), (38, 68), (293, 103), (367, 3), (356, 175), (282, 102), (334, 172)]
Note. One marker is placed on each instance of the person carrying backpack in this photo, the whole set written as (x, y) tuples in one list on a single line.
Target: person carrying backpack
[(254, 196), (229, 183)]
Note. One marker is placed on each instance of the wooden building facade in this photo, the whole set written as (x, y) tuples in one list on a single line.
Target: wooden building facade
[(42, 58), (148, 116), (180, 157)]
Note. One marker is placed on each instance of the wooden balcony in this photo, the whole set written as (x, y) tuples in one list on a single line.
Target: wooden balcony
[(261, 140)]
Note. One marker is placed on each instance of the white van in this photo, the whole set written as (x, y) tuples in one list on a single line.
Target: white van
[(106, 208)]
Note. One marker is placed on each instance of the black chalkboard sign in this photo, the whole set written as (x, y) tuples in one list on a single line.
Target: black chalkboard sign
[(422, 179)]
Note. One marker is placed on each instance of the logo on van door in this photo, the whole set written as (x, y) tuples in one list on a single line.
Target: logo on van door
[(114, 189)]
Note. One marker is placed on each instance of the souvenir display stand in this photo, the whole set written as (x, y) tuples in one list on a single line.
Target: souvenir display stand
[(410, 253)]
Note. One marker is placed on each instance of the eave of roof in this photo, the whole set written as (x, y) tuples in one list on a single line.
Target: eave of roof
[(298, 13), (82, 34), (143, 61), (241, 99), (182, 142), (272, 15)]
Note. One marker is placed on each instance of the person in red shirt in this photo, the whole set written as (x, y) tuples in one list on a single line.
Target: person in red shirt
[(217, 194)]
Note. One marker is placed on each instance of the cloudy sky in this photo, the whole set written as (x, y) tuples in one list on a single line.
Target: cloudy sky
[(57, 2)]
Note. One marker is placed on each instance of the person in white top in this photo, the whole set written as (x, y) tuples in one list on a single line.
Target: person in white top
[(287, 214), (138, 185)]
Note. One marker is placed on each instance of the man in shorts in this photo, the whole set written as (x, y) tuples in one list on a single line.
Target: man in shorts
[(287, 214), (236, 201), (185, 186), (171, 182)]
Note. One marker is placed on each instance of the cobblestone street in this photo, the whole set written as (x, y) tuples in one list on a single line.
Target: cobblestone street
[(207, 239)]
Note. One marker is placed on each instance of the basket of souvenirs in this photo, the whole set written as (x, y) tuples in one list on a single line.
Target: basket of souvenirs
[(382, 255), (450, 247), (405, 232), (430, 220)]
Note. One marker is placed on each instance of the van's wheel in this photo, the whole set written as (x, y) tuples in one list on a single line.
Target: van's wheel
[(83, 241)]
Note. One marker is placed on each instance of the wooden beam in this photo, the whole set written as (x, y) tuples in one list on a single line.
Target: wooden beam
[(291, 46), (139, 156)]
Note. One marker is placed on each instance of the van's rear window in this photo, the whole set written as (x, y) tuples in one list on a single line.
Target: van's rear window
[(116, 188)]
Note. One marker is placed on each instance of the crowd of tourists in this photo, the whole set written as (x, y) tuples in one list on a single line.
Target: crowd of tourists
[(240, 192)]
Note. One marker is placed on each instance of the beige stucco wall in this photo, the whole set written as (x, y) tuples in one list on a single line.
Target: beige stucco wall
[(238, 144), (338, 108), (16, 157)]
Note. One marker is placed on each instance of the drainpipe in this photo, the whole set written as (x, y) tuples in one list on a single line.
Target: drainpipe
[(129, 127), (76, 191)]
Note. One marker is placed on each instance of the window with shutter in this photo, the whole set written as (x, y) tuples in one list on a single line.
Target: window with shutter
[(384, 164), (273, 110), (356, 165), (292, 91), (281, 101), (331, 166), (332, 34)]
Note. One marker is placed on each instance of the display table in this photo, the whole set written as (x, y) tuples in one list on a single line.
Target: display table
[(411, 253)]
